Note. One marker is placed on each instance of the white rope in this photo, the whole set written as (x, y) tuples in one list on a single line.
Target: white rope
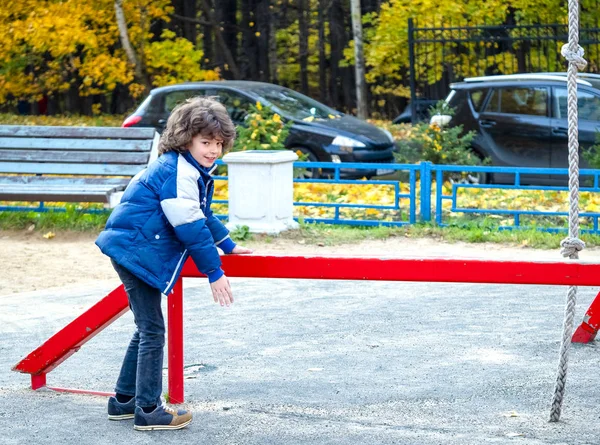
[(572, 245)]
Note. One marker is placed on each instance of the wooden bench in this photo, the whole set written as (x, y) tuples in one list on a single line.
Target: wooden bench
[(72, 164)]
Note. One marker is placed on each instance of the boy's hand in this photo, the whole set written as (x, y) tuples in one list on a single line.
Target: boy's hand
[(221, 291), (239, 250)]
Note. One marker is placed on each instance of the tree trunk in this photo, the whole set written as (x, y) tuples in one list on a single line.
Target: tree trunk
[(323, 4), (284, 9), (337, 42), (273, 59), (249, 45), (185, 28), (228, 17), (303, 43), (124, 34), (263, 19), (220, 41), (359, 61), (208, 61)]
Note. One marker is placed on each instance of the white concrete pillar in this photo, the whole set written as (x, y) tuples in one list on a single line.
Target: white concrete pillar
[(261, 193)]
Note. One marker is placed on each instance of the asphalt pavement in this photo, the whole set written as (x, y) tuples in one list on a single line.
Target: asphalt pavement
[(322, 362)]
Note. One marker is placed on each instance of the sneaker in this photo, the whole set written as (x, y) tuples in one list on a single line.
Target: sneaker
[(162, 418), (120, 411)]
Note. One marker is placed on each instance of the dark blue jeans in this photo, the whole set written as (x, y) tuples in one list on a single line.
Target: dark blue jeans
[(141, 372)]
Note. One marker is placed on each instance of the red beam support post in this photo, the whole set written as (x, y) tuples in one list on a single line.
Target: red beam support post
[(175, 342), (588, 329)]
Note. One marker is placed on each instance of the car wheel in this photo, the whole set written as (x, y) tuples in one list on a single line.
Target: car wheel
[(479, 177), (470, 177), (309, 173)]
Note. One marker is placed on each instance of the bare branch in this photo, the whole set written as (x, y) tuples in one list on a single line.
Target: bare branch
[(191, 20)]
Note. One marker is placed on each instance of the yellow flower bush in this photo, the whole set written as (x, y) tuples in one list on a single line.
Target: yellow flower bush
[(264, 130)]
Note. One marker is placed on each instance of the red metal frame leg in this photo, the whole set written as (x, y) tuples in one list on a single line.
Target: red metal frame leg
[(175, 342), (38, 381), (588, 329)]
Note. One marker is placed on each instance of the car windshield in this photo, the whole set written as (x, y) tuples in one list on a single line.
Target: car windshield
[(296, 105)]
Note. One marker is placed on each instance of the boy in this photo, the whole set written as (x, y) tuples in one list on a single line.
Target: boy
[(164, 217)]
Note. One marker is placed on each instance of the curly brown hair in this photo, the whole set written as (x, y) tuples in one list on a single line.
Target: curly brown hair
[(198, 115)]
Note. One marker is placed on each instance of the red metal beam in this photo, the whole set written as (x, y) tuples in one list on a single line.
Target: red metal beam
[(588, 329), (407, 269), (69, 339)]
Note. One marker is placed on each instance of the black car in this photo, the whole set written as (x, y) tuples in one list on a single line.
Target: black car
[(421, 112), (342, 138), (521, 120)]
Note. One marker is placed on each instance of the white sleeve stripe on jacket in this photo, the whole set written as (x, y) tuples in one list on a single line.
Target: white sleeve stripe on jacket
[(180, 211), (185, 208), (220, 241)]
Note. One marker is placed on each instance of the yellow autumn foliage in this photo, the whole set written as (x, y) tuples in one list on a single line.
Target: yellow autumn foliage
[(49, 45)]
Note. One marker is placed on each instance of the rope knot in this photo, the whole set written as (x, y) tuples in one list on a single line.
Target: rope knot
[(571, 246), (575, 57)]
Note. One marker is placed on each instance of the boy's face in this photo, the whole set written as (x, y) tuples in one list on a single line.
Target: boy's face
[(206, 150)]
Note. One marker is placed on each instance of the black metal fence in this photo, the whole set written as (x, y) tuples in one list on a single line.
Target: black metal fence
[(448, 53)]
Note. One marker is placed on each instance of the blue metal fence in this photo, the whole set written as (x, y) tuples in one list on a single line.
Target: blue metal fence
[(408, 206), (402, 201), (404, 208), (588, 178)]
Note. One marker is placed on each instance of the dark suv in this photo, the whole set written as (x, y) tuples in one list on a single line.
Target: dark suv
[(521, 120), (324, 134)]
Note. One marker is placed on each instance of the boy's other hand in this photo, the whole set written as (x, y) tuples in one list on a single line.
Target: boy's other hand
[(221, 290), (240, 250)]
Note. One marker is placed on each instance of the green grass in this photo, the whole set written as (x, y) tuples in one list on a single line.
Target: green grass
[(71, 219), (470, 231)]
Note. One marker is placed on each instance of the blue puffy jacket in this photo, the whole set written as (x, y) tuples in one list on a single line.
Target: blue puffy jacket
[(164, 217)]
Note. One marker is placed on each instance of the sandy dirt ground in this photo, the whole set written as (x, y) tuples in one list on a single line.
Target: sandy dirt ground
[(30, 262)]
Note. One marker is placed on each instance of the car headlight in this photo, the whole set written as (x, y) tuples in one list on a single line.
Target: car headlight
[(389, 135), (344, 141)]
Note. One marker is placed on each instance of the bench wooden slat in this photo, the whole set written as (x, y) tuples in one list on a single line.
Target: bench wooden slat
[(74, 169), (73, 157), (15, 189), (50, 196), (62, 189), (76, 132), (51, 181), (76, 144)]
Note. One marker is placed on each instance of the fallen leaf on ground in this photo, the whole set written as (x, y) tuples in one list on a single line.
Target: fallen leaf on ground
[(514, 435)]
